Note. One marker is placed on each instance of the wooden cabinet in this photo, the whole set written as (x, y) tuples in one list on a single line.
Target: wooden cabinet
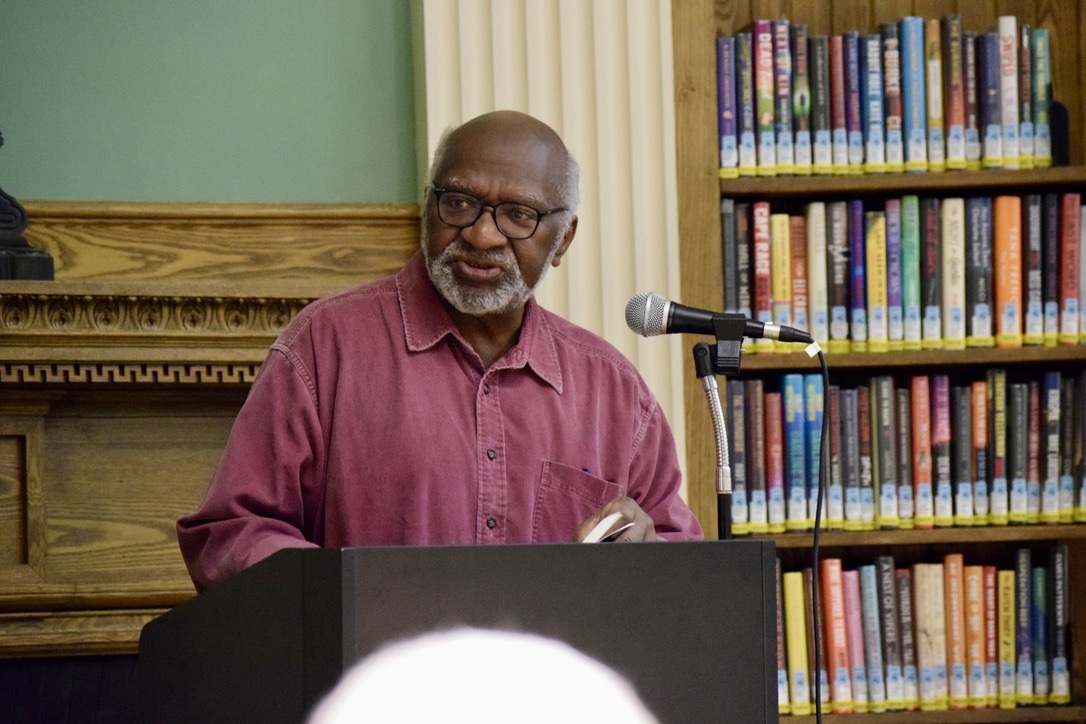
[(696, 24)]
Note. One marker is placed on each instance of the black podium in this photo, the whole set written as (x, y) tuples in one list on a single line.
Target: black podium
[(691, 625)]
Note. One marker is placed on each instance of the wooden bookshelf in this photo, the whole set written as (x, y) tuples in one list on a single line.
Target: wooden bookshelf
[(696, 24)]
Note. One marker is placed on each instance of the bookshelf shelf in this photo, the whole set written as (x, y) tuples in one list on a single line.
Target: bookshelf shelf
[(973, 356), (962, 716), (933, 536)]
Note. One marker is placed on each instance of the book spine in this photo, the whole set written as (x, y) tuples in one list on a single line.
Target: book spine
[(746, 99), (953, 246), (821, 128), (1007, 212), (954, 589), (910, 271), (999, 500), (874, 232), (1025, 97), (884, 439), (954, 88), (1059, 572), (976, 673), (782, 81), (978, 272), (835, 498), (867, 477), (1042, 97), (784, 697), (931, 273), (891, 634), (797, 233), (765, 97), (814, 404), (815, 664), (743, 250), (853, 102), (1017, 450), (940, 450), (754, 397), (780, 240), (1039, 631), (801, 100), (737, 433), (871, 99), (857, 275), (873, 637), (1050, 267), (1070, 230), (818, 300), (726, 107), (1034, 290), (1007, 644), (774, 461), (991, 637), (1023, 636), (933, 56), (729, 255), (906, 507), (962, 454), (1079, 449), (833, 616), (838, 101), (979, 395), (763, 277), (850, 583), (895, 321), (795, 452), (1033, 453), (891, 74), (988, 94), (914, 94), (923, 492), (838, 270), (1082, 274), (909, 675), (850, 458), (1050, 468), (1008, 88), (931, 632), (1068, 449), (972, 108)]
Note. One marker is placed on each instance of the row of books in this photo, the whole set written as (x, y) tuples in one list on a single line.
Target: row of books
[(911, 273), (931, 636), (919, 95), (922, 454)]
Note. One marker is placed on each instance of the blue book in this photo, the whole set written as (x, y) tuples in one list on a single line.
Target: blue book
[(795, 452), (913, 94), (1023, 629), (815, 401), (858, 276), (894, 276), (989, 100), (746, 127), (871, 101), (872, 628), (853, 102), (725, 96)]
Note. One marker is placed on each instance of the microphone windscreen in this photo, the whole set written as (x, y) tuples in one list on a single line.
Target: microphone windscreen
[(645, 314)]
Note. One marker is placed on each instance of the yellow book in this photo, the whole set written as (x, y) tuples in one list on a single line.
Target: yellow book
[(795, 638), (780, 248), (933, 65), (1005, 622), (973, 577), (878, 335), (953, 268)]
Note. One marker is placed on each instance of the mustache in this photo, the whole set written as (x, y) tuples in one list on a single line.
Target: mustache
[(460, 250)]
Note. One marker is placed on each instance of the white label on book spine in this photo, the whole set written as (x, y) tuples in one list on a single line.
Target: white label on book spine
[(925, 505), (980, 499), (944, 501)]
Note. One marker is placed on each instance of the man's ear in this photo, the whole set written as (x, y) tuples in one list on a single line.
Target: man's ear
[(566, 241)]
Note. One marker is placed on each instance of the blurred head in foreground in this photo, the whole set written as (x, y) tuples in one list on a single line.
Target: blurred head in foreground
[(470, 675)]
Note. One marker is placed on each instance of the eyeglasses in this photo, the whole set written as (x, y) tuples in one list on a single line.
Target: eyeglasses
[(513, 219)]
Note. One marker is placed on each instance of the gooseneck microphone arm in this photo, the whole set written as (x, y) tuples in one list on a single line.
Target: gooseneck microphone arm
[(705, 367)]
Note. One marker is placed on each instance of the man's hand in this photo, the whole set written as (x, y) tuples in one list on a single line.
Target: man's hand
[(642, 529)]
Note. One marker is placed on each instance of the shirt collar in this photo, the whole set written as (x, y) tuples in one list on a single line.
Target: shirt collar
[(426, 322)]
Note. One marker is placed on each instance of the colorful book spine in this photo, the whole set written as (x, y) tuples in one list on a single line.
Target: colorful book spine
[(1039, 632), (838, 271), (1023, 635), (941, 432), (910, 272), (957, 657), (978, 272), (933, 56), (972, 108), (961, 467), (1059, 579), (799, 270), (1071, 453), (850, 458), (1051, 401), (867, 477), (952, 239), (1017, 451), (1033, 453), (782, 80), (833, 616), (835, 497), (988, 94), (780, 240), (814, 404), (838, 101), (1033, 300), (1008, 88), (976, 670), (746, 120), (981, 505), (795, 452), (874, 233), (754, 396), (895, 311), (763, 277), (931, 273), (909, 675), (1007, 644), (1050, 267), (1007, 213), (818, 301), (889, 624), (914, 94), (954, 89), (850, 583), (1042, 97), (1070, 248), (821, 128), (858, 276), (737, 435), (774, 461), (853, 102), (796, 643), (1025, 97), (872, 633), (765, 97), (991, 636), (884, 440), (906, 506), (923, 489), (801, 101), (726, 107), (891, 78), (999, 494), (744, 248), (871, 100)]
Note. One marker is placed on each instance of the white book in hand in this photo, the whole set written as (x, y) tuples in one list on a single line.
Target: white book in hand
[(608, 529)]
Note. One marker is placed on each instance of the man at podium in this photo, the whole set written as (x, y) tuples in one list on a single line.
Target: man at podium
[(443, 405)]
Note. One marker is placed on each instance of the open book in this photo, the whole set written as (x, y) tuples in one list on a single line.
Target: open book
[(608, 529)]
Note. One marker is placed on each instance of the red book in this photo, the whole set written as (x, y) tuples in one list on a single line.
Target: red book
[(838, 122), (1070, 221), (763, 282), (834, 628), (923, 491), (1033, 453), (798, 242), (991, 637), (774, 460)]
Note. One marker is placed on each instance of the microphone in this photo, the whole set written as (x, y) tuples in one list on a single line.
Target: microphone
[(649, 314)]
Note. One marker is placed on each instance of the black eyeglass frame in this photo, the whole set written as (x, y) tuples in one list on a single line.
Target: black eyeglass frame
[(483, 205)]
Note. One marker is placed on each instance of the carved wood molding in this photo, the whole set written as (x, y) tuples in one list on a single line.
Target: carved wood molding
[(141, 374)]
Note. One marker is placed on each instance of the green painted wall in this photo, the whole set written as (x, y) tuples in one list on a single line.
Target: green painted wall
[(207, 100)]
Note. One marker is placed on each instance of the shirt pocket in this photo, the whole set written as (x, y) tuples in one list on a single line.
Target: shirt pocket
[(567, 496)]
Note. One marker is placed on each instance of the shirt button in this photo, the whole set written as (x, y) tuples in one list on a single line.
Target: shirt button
[(491, 523), (491, 454), (486, 389)]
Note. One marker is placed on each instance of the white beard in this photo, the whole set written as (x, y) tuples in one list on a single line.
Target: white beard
[(511, 292)]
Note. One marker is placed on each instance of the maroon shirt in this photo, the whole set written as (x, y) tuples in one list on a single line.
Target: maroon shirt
[(372, 422)]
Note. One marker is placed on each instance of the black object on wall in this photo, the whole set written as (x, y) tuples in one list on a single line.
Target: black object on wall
[(18, 259), (69, 690)]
